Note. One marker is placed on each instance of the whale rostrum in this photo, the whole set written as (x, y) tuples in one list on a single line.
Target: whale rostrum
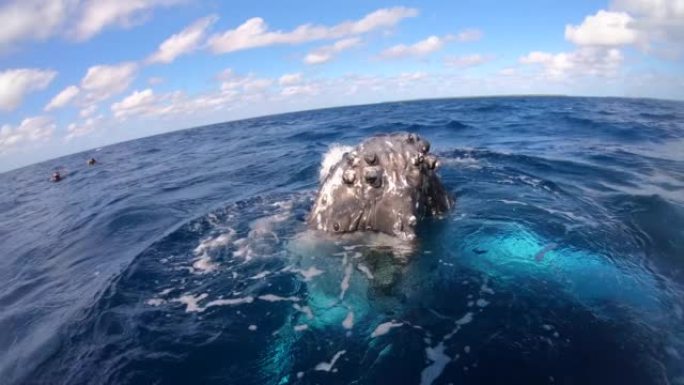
[(387, 183)]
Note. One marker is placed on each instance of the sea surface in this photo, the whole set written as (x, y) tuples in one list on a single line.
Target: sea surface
[(184, 258)]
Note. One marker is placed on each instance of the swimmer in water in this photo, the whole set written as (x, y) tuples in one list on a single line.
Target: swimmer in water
[(91, 162), (56, 176)]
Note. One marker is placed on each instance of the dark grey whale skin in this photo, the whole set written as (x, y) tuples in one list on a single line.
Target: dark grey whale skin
[(387, 184)]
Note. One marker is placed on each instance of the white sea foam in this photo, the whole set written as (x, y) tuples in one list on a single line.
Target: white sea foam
[(327, 366), (192, 302), (439, 362), (260, 275), (203, 264), (348, 322), (466, 319), (482, 302), (365, 270), (210, 243), (466, 161), (277, 298), (229, 302), (385, 327), (155, 301), (486, 289), (309, 273), (304, 309), (344, 285), (262, 231), (301, 327), (510, 202)]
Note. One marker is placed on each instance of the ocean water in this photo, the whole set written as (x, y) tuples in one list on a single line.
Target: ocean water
[(184, 258)]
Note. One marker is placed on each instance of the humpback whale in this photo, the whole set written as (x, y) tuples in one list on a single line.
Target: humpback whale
[(386, 184)]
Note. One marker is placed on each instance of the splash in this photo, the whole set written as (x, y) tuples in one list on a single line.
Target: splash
[(331, 158)]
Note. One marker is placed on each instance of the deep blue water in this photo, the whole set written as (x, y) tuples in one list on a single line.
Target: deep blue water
[(184, 258)]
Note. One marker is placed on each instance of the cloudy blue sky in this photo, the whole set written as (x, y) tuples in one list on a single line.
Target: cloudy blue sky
[(78, 74)]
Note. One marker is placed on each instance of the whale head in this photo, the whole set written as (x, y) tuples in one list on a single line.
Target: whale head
[(387, 184)]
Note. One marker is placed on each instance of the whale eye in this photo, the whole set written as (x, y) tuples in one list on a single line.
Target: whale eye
[(370, 158), (349, 176)]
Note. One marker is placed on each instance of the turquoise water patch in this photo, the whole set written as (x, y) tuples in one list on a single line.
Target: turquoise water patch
[(513, 255)]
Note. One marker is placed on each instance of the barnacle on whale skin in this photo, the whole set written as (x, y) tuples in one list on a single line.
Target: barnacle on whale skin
[(387, 184)]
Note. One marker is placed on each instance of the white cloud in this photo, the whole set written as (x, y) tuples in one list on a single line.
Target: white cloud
[(154, 80), (290, 79), (63, 98), (182, 42), (467, 61), (659, 24), (300, 90), (83, 128), (407, 77), (469, 35), (36, 20), (29, 130), (88, 111), (100, 82), (254, 32), (654, 26), (16, 83), (430, 44), (134, 104), (148, 104), (603, 29), (256, 85), (233, 91), (30, 20), (586, 61), (104, 81), (232, 82), (96, 15), (421, 48), (508, 71), (326, 53)]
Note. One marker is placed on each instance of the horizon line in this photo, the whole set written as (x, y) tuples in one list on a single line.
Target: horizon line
[(345, 106)]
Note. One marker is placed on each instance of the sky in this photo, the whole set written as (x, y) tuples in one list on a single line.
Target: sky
[(80, 74)]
